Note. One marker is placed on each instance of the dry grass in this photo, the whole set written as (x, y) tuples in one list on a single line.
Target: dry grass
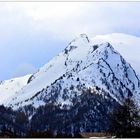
[(95, 134)]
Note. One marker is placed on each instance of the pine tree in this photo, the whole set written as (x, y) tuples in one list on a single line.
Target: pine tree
[(125, 119)]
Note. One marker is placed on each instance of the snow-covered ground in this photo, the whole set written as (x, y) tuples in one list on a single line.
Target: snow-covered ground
[(10, 87), (127, 45)]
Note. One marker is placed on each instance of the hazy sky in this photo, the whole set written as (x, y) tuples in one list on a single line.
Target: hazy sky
[(31, 33)]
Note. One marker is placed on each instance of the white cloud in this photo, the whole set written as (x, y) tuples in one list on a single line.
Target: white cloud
[(27, 26), (64, 20)]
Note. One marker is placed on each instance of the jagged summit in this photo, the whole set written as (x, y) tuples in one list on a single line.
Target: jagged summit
[(82, 38), (85, 36), (78, 43)]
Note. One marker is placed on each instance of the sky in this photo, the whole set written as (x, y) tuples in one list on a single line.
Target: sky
[(31, 33)]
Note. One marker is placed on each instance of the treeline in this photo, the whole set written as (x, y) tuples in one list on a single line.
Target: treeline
[(123, 121), (6, 133), (16, 124)]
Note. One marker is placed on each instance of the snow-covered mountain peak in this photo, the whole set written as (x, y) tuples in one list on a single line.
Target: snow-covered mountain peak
[(90, 63), (82, 38), (94, 64), (80, 42), (85, 37)]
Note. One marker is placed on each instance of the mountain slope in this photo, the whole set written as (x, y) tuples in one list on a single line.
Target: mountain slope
[(9, 88), (127, 45)]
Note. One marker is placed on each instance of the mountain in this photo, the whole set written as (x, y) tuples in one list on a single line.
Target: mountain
[(93, 64), (78, 88), (8, 88)]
